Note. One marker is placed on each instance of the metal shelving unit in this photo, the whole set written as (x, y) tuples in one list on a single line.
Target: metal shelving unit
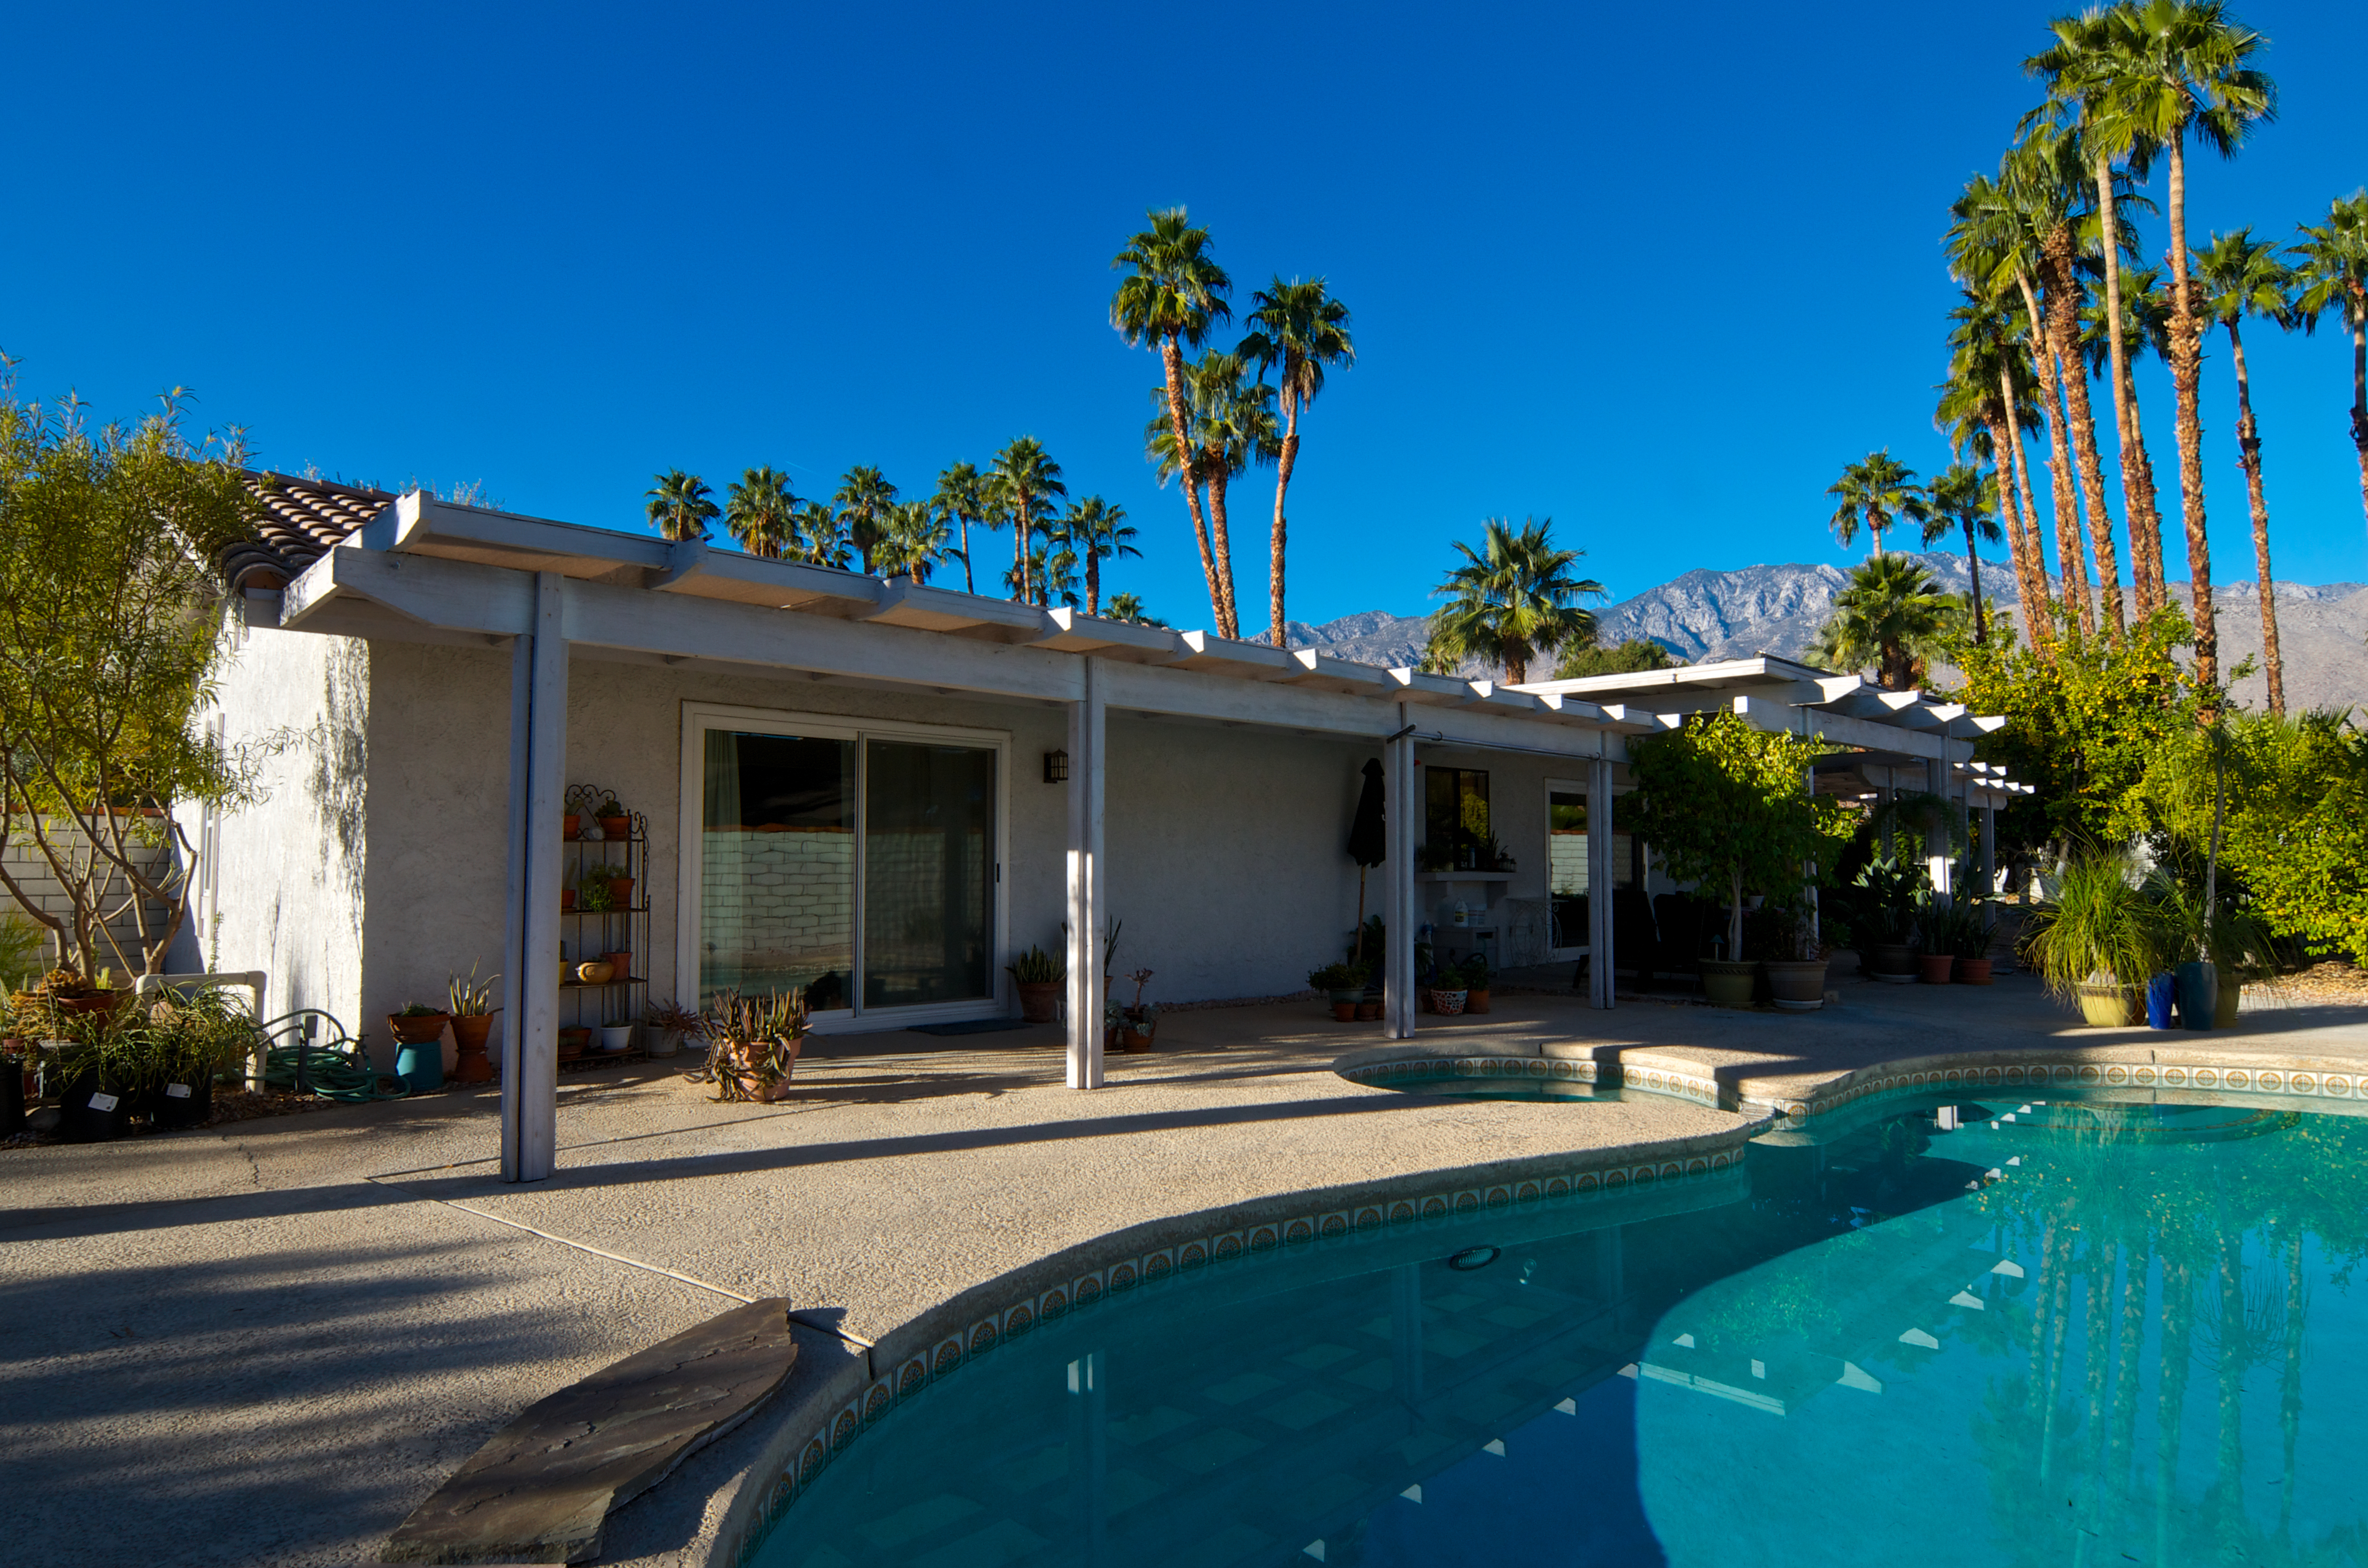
[(588, 935)]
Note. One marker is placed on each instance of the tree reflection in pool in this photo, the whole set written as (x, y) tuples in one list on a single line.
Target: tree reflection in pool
[(2021, 1332)]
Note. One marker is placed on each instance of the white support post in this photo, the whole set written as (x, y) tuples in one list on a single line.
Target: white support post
[(1816, 929), (1989, 852), (1937, 861), (1088, 907), (1600, 873), (1402, 809), (530, 967)]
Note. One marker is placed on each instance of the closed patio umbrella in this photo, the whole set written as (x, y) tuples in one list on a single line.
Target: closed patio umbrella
[(1368, 840)]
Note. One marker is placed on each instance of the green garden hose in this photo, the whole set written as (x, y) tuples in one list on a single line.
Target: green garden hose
[(335, 1070)]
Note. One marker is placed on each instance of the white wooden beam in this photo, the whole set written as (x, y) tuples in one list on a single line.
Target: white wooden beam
[(1087, 900), (538, 790)]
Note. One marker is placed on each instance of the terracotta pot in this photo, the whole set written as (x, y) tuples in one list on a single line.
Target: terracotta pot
[(620, 888), (1447, 1004), (1798, 985), (1345, 1012), (754, 1088), (1134, 1041), (1973, 971), (570, 825), (418, 1028), (1040, 1000), (1476, 999), (469, 1033), (1368, 1012), (617, 828), (621, 963), (2108, 1006), (1726, 983), (568, 898), (1934, 969), (572, 1042), (100, 1002)]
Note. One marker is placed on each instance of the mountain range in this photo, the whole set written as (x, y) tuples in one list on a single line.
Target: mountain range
[(1704, 616)]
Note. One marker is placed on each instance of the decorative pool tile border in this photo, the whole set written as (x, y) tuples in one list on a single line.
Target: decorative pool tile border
[(1701, 1088), (2248, 1077), (841, 1426)]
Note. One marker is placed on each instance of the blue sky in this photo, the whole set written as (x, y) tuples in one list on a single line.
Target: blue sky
[(1655, 273)]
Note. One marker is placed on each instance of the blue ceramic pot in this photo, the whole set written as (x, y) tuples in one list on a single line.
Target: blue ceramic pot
[(421, 1066), (2162, 993), (2199, 994)]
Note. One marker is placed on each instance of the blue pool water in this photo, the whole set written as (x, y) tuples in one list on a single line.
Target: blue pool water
[(2014, 1332)]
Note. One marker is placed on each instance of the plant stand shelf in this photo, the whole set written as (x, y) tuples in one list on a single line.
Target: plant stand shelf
[(587, 935)]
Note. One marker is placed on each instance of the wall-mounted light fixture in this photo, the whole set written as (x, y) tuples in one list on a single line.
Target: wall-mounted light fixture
[(1056, 768)]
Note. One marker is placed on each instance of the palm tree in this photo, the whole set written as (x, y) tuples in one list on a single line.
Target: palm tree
[(1233, 424), (820, 538), (1962, 497), (1096, 530), (961, 496), (1028, 481), (2242, 276), (863, 499), (2146, 316), (2332, 269), (1513, 599), (913, 538), (1130, 607), (2172, 69), (2079, 75), (1994, 247), (1051, 569), (1174, 292), (1300, 327), (1877, 492), (1893, 616), (1986, 405), (681, 505), (761, 512)]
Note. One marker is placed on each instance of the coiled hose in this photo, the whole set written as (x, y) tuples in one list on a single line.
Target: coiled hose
[(336, 1069)]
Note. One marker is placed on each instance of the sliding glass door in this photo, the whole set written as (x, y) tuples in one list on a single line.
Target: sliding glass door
[(858, 864)]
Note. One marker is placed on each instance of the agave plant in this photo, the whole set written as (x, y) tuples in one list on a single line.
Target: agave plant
[(753, 1042)]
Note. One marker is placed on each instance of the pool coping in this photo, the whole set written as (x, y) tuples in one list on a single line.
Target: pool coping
[(814, 1431)]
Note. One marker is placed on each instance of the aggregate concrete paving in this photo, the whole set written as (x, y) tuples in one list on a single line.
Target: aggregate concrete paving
[(269, 1342)]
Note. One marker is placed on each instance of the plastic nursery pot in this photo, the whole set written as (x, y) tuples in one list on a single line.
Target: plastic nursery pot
[(90, 1113), (469, 1034), (616, 1039), (1973, 971), (420, 1066), (1892, 962), (1935, 969), (12, 1096), (1726, 983), (1476, 999), (184, 1105), (1798, 985)]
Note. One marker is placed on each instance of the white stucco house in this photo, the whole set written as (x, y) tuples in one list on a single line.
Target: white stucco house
[(880, 792)]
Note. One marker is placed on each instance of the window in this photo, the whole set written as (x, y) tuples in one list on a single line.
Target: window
[(1567, 875), (1455, 816)]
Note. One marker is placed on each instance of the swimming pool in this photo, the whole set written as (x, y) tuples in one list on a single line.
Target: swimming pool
[(2013, 1332)]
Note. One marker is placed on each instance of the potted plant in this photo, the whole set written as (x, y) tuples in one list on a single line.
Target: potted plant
[(1138, 1023), (573, 1040), (1723, 806), (2097, 940), (1796, 983), (1038, 976), (596, 896), (418, 1032), (1886, 897), (753, 1044), (1434, 858), (1445, 999), (1476, 983), (668, 1024), (622, 962), (1969, 940), (1344, 986), (617, 1036), (470, 1002), (616, 822), (186, 1042)]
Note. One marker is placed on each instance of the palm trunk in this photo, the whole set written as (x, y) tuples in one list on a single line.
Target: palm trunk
[(970, 585), (1735, 916), (2290, 1386), (2360, 385), (1228, 620), (1093, 582), (2069, 558), (1023, 548), (2063, 291), (1171, 361), (2171, 1394), (2137, 475), (2248, 458), (2186, 376), (2031, 567), (1973, 564), (1281, 483)]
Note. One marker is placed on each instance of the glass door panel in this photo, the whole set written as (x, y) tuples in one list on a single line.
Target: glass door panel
[(928, 873), (777, 867)]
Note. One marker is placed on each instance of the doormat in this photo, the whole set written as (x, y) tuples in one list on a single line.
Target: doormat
[(975, 1026)]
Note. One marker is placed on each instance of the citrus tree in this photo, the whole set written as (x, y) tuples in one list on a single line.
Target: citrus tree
[(1725, 804)]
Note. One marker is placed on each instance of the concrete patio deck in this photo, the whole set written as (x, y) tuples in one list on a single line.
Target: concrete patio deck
[(268, 1342)]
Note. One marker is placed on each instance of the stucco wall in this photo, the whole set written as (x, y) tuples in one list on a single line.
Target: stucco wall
[(288, 874)]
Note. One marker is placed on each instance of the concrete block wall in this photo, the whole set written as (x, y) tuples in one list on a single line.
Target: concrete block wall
[(31, 871), (781, 900)]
